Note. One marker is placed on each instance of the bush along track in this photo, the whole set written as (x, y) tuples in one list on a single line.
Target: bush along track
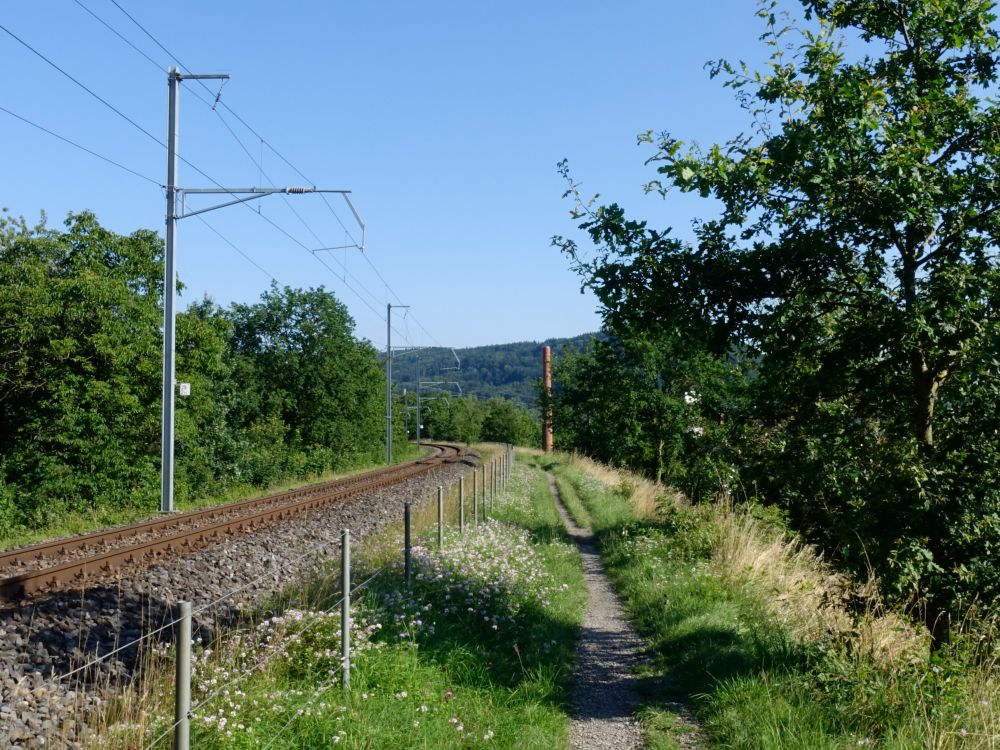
[(477, 652), (754, 629)]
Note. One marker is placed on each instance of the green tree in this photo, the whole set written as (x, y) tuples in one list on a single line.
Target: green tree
[(634, 403), (457, 419), (80, 370), (305, 383), (854, 260), (208, 454), (279, 389), (505, 422)]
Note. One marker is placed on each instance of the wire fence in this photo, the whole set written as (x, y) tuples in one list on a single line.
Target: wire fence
[(171, 624), (454, 507)]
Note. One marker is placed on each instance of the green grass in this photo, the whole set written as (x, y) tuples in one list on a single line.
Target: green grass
[(428, 672), (663, 730), (751, 681), (570, 498)]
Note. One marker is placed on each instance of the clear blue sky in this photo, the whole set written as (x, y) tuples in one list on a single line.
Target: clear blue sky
[(445, 119)]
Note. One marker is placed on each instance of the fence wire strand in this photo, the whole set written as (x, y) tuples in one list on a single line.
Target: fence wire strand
[(119, 649), (314, 551), (259, 666), (198, 610), (193, 711), (162, 736), (364, 584)]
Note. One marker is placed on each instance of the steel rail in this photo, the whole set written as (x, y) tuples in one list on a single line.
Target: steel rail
[(58, 547), (208, 532)]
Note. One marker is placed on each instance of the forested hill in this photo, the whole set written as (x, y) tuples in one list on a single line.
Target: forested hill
[(508, 370)]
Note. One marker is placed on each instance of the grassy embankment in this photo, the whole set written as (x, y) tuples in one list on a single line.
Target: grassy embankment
[(753, 628), (81, 522), (477, 653)]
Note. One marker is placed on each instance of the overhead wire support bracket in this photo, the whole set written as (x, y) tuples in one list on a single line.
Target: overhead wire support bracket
[(334, 247), (251, 194), (458, 366), (175, 197), (437, 383), (357, 217)]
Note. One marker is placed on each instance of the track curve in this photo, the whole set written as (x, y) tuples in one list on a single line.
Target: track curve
[(74, 560)]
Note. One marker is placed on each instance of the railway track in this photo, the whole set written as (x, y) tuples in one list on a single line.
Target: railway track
[(72, 561)]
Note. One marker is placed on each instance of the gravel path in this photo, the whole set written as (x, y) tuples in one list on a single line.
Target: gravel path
[(44, 704), (605, 694)]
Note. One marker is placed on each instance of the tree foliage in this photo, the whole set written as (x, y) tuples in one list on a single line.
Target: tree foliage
[(311, 376), (507, 371), (505, 422), (851, 274), (79, 332), (467, 419), (280, 388)]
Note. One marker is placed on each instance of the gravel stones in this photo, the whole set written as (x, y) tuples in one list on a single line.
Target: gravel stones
[(44, 703), (605, 696)]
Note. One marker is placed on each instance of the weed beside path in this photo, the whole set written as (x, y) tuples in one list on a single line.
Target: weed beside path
[(752, 629)]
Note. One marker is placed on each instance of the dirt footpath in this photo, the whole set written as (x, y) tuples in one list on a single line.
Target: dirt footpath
[(605, 694)]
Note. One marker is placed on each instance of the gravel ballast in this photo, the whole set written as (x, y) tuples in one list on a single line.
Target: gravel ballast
[(45, 703)]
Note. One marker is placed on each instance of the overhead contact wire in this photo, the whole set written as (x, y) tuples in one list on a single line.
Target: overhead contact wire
[(83, 86), (156, 140), (64, 139), (294, 168)]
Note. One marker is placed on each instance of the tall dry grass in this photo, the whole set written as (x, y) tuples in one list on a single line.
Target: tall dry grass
[(798, 588), (643, 496), (805, 595)]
